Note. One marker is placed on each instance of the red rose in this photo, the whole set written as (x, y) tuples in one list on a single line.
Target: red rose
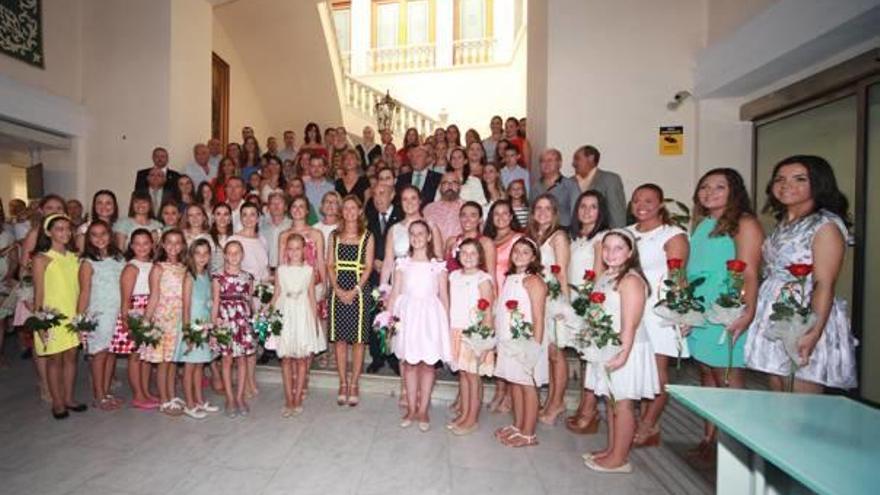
[(737, 266), (555, 269), (674, 263), (800, 269), (589, 275), (597, 297), (482, 304), (511, 304)]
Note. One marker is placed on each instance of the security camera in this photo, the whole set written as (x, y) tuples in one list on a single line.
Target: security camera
[(677, 98)]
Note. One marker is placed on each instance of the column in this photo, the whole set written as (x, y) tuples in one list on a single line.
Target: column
[(503, 29), (443, 32), (361, 21)]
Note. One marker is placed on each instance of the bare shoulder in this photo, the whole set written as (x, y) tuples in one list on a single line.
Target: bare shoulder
[(534, 282), (749, 227), (631, 282)]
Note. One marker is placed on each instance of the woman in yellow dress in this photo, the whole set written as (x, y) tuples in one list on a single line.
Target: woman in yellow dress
[(56, 286)]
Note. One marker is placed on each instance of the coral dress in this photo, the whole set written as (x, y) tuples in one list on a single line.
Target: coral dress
[(502, 258), (637, 379), (235, 310), (168, 314), (507, 367), (464, 292), (104, 302), (833, 361), (299, 335), (140, 297), (61, 293), (423, 330)]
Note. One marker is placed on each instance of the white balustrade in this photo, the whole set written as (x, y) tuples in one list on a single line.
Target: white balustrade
[(473, 52), (402, 58), (363, 98)]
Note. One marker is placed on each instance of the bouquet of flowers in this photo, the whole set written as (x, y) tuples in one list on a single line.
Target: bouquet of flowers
[(522, 347), (220, 339), (554, 289), (268, 325), (581, 301), (264, 292), (598, 343), (792, 314), (385, 325), (197, 333), (729, 306), (679, 306), (83, 324), (479, 336), (43, 320), (143, 333)]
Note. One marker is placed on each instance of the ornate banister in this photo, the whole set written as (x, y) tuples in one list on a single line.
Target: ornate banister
[(362, 98)]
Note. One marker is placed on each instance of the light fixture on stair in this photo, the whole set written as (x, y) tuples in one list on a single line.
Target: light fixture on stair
[(386, 108)]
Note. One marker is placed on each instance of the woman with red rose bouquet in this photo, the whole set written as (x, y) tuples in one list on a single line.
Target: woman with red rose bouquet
[(560, 320), (522, 346), (663, 248), (471, 294), (631, 373), (726, 254), (803, 256)]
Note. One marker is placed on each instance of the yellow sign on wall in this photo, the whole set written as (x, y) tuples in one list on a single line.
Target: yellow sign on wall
[(671, 140)]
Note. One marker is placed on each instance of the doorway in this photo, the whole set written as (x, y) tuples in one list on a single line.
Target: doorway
[(219, 99)]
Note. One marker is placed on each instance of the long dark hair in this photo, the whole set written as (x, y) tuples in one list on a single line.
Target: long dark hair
[(465, 169), (429, 249), (533, 229), (665, 217), (200, 198), (481, 253), (214, 231), (311, 126), (489, 230), (633, 264), (574, 230), (738, 203), (533, 268), (91, 252), (105, 192), (161, 255), (44, 242), (823, 188), (191, 259), (129, 253), (141, 196)]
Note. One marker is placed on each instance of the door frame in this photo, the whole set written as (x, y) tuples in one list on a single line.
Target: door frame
[(218, 64)]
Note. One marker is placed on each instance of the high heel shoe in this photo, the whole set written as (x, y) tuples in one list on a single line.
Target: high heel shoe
[(581, 425), (551, 418), (341, 397), (353, 399), (649, 439)]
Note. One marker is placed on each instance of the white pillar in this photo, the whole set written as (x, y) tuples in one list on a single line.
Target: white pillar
[(361, 11), (503, 29), (443, 32)]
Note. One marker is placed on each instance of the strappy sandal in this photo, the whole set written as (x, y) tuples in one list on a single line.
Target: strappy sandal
[(506, 431), (353, 398), (518, 440), (341, 397), (583, 425)]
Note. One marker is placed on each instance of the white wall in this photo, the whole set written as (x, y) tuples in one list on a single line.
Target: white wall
[(611, 67), (12, 184)]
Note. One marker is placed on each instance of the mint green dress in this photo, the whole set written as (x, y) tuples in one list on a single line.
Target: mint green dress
[(200, 310), (708, 258)]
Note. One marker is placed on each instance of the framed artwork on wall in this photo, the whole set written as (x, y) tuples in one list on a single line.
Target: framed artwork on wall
[(21, 31)]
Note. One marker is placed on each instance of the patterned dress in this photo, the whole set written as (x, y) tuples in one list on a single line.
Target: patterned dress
[(104, 302), (349, 322), (235, 310), (140, 296), (833, 361), (168, 314)]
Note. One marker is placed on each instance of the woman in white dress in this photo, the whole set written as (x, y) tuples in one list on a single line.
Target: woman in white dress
[(397, 242), (812, 215), (659, 240), (631, 374), (544, 229), (588, 226)]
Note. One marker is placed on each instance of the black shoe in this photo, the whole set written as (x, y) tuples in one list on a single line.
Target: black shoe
[(60, 415), (395, 367), (78, 408), (374, 367), (27, 354)]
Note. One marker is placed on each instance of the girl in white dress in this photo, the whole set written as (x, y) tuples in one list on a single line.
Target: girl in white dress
[(525, 292), (467, 286), (631, 374), (300, 338), (658, 241), (588, 226)]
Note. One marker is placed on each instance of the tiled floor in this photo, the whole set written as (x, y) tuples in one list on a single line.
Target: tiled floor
[(327, 450)]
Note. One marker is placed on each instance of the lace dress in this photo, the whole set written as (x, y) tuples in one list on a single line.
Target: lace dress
[(104, 302), (833, 361)]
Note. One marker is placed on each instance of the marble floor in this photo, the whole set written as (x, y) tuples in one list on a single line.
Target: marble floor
[(327, 450)]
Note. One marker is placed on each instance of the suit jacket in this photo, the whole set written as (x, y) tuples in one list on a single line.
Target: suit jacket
[(171, 176), (611, 186), (379, 235), (429, 188)]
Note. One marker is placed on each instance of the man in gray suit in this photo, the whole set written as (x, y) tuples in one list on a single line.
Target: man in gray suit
[(588, 176)]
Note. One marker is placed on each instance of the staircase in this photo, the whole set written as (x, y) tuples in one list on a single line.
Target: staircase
[(358, 100)]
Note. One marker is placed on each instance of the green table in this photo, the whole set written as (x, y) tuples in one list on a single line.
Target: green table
[(770, 442)]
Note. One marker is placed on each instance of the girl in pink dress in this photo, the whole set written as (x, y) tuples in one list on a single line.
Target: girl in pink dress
[(165, 310), (420, 299)]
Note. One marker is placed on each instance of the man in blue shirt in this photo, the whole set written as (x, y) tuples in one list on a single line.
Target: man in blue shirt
[(317, 185)]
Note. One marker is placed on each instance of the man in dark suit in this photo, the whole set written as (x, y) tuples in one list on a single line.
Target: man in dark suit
[(381, 214), (589, 176), (160, 162), (427, 181)]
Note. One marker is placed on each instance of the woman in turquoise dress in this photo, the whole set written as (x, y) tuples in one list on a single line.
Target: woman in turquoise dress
[(725, 229)]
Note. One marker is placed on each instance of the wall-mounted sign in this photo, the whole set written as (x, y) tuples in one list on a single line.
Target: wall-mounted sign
[(671, 140), (21, 30)]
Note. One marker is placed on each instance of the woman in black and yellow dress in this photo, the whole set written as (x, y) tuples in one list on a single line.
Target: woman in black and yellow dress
[(350, 256)]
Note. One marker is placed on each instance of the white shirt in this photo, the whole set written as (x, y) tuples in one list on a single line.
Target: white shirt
[(198, 174)]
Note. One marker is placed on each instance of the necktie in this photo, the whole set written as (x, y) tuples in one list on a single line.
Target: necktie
[(383, 221), (417, 180)]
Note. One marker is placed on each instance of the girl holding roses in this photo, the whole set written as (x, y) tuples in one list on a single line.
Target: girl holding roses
[(726, 253), (808, 244)]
